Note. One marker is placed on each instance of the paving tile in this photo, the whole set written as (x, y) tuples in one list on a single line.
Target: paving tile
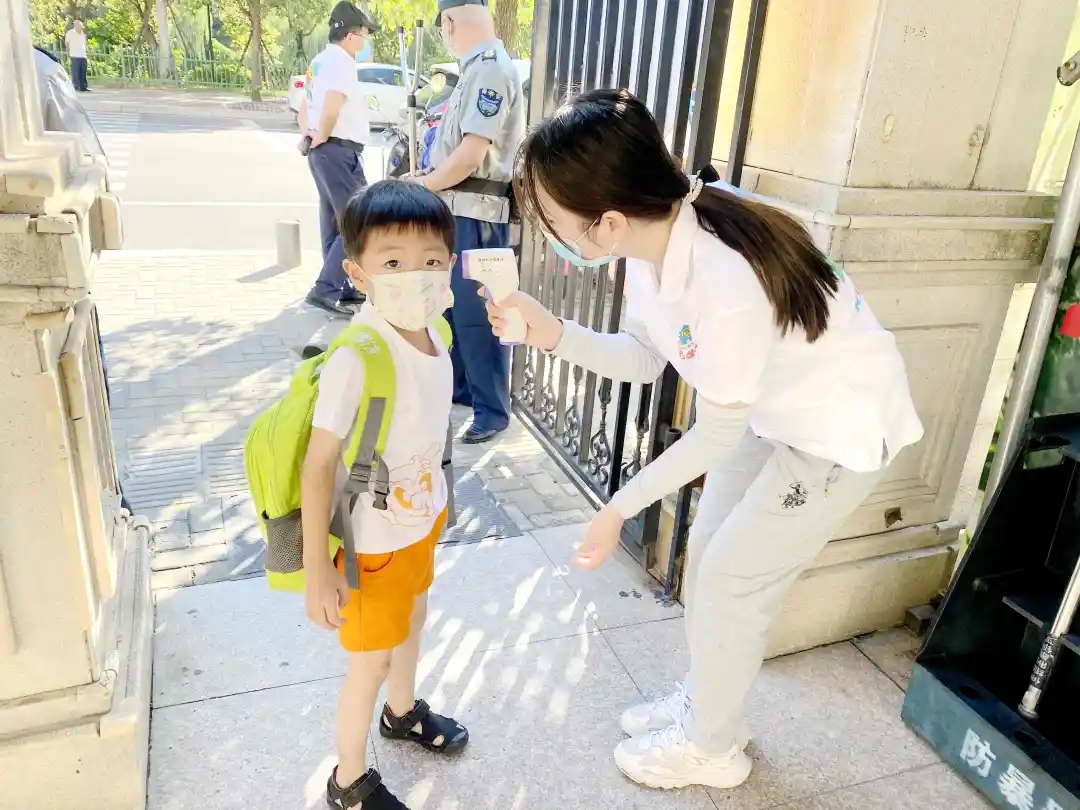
[(932, 787), (618, 593), (893, 652), (543, 722), (268, 749), (228, 637), (822, 720), (184, 557)]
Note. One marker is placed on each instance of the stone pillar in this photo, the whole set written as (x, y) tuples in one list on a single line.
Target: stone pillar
[(903, 134), (75, 614)]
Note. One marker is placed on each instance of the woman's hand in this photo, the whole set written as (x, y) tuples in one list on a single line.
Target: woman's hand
[(601, 539), (543, 330)]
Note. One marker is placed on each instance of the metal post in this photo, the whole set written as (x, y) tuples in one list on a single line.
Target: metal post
[(755, 32), (414, 85), (1040, 321)]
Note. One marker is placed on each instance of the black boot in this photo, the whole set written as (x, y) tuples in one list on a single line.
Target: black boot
[(367, 792)]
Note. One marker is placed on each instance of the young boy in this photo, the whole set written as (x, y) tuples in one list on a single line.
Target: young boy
[(398, 241)]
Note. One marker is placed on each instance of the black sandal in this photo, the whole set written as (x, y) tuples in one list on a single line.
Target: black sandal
[(437, 733), (367, 792)]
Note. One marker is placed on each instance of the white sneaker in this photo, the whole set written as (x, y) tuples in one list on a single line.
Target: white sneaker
[(666, 759), (657, 715)]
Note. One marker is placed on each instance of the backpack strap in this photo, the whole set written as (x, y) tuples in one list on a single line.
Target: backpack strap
[(363, 455), (442, 327)]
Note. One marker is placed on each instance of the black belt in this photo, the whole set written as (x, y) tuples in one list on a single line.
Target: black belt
[(356, 147), (476, 185)]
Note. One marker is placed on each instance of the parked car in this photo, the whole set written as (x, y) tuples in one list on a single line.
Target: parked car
[(384, 83), (60, 106)]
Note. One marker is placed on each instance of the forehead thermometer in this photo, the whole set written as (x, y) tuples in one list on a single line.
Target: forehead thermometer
[(496, 271)]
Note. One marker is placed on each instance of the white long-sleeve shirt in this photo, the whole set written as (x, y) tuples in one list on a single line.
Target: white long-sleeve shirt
[(844, 397)]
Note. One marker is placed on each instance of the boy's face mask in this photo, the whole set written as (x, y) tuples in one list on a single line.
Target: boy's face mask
[(413, 299)]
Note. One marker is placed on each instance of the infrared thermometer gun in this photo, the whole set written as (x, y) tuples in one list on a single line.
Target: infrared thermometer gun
[(497, 272)]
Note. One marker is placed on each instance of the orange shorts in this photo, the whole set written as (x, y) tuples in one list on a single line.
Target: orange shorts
[(378, 616)]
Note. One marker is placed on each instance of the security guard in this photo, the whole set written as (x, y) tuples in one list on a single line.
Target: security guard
[(335, 117), (472, 165)]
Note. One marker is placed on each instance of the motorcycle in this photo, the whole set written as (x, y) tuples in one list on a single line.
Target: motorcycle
[(396, 139)]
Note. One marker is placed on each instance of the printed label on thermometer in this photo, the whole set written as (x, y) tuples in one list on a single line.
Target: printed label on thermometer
[(495, 269)]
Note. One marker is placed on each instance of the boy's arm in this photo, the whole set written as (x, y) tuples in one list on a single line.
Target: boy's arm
[(317, 496), (341, 387)]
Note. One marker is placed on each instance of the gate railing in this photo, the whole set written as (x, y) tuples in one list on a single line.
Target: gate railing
[(670, 53)]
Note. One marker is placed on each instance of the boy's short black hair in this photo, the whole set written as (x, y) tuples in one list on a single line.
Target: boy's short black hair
[(393, 204)]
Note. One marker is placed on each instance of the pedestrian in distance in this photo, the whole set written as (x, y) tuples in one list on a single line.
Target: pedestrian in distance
[(336, 127), (75, 41), (735, 295), (471, 168)]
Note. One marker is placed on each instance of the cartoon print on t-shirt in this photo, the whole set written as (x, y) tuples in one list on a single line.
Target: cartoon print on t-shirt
[(687, 346), (412, 489)]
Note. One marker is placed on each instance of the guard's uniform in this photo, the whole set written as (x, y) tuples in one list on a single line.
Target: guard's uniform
[(488, 102), (336, 166)]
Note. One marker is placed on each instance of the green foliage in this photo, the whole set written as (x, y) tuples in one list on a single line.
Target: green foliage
[(122, 35)]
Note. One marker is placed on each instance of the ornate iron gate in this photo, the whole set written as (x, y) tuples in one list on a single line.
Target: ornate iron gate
[(669, 53)]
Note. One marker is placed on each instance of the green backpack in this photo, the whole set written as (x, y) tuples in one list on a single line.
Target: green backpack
[(277, 442)]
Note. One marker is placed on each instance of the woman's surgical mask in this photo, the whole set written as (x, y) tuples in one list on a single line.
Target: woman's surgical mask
[(411, 300), (572, 253)]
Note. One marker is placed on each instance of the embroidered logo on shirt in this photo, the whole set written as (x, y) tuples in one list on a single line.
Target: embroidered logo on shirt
[(487, 56), (795, 497), (840, 275), (687, 346), (488, 102)]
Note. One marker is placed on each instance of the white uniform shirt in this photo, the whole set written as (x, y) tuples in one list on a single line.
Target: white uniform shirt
[(334, 69), (414, 446), (840, 398), (76, 43)]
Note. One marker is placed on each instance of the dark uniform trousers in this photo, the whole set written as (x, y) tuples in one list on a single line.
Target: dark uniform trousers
[(481, 362), (339, 173)]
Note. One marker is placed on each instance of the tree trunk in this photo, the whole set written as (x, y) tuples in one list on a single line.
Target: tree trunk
[(506, 24), (164, 57), (256, 51), (300, 55)]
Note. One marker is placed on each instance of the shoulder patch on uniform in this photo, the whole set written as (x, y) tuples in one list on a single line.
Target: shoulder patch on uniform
[(488, 102), (488, 56)]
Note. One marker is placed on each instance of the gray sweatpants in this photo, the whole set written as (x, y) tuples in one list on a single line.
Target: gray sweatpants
[(765, 513)]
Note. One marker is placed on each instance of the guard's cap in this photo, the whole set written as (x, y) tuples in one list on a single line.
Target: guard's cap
[(346, 15), (446, 4)]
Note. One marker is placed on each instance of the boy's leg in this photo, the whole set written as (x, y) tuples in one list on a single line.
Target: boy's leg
[(356, 707), (401, 680)]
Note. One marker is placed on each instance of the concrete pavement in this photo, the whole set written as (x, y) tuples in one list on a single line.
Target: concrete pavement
[(536, 657)]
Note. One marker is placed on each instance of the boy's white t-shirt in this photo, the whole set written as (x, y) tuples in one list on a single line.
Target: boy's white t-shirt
[(840, 398), (414, 446)]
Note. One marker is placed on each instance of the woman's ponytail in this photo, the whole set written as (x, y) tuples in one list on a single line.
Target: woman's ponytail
[(797, 278)]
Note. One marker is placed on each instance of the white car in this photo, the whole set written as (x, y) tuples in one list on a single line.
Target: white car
[(383, 83)]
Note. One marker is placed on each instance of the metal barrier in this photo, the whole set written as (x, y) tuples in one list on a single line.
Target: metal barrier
[(132, 66)]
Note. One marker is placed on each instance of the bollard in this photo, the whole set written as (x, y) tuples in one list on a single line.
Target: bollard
[(288, 243)]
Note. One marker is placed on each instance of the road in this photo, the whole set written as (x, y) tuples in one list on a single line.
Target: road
[(210, 183)]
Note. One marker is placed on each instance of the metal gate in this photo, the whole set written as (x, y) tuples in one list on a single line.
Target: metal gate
[(669, 53)]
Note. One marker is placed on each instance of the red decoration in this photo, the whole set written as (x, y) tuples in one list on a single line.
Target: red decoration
[(1070, 324)]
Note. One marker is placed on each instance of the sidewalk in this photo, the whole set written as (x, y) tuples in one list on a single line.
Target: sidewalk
[(536, 657), (191, 103)]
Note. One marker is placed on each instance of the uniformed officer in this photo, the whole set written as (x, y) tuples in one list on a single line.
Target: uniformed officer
[(472, 165), (335, 116)]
